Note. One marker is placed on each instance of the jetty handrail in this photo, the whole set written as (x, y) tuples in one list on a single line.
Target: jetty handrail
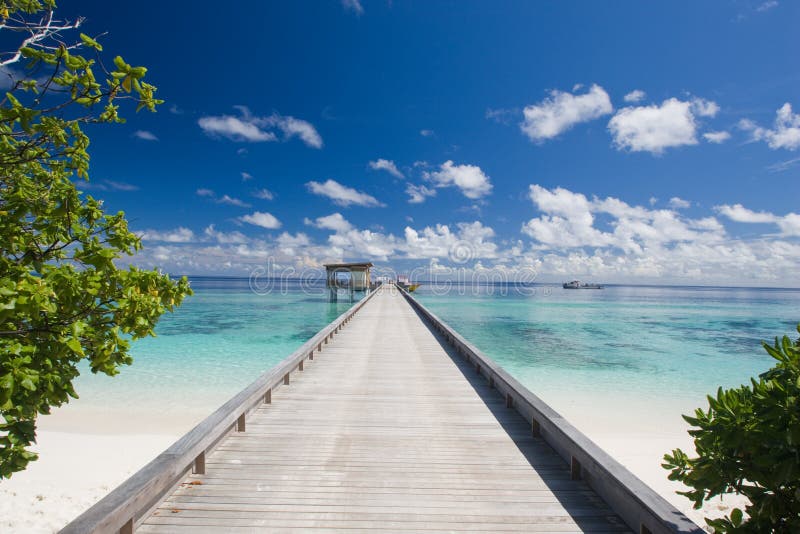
[(125, 506), (642, 509)]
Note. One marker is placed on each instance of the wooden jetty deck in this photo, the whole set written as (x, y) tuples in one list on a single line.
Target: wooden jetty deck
[(396, 424)]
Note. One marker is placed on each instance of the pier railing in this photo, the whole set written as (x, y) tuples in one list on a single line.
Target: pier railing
[(127, 505), (642, 509)]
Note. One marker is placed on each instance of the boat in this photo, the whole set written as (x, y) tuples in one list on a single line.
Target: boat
[(405, 283), (577, 284)]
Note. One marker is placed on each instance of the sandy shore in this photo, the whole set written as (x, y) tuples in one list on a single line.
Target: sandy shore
[(85, 453)]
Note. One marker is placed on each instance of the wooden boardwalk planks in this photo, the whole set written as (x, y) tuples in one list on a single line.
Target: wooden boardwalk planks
[(385, 430)]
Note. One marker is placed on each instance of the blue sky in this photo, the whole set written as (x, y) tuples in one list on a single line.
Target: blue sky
[(614, 141)]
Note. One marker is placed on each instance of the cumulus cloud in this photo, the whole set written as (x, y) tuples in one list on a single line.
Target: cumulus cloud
[(655, 128), (716, 137), (178, 235), (470, 179), (634, 96), (145, 135), (386, 165), (247, 127), (568, 221), (292, 127), (263, 194), (262, 219), (574, 235), (334, 221), (203, 192), (704, 108), (246, 176), (343, 195), (562, 110), (426, 133), (785, 132), (679, 203), (224, 237), (418, 193), (789, 224), (235, 129)]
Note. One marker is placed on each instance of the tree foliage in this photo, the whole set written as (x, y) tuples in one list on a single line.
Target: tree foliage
[(62, 297), (748, 442)]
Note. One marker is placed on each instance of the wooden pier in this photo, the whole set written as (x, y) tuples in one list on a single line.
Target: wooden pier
[(385, 421)]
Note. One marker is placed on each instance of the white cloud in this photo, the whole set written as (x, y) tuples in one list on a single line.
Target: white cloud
[(679, 203), (386, 165), (334, 221), (224, 199), (784, 165), (789, 224), (418, 193), (145, 135), (634, 96), (655, 128), (561, 111), (784, 134), (470, 179), (469, 242), (766, 6), (246, 176), (292, 127), (224, 237), (739, 213), (251, 128), (568, 221), (652, 201), (263, 194), (262, 219), (716, 137), (231, 201), (426, 133), (342, 195), (704, 108), (178, 235), (353, 6), (235, 129)]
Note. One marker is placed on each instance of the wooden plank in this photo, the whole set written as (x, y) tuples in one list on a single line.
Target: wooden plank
[(141, 491), (387, 432)]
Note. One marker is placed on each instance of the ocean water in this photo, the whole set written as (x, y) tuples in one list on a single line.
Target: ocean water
[(672, 345), (219, 341), (662, 345)]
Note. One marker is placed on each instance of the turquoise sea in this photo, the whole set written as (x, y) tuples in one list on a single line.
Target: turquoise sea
[(667, 344)]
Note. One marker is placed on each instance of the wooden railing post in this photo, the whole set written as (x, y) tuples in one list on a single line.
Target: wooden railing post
[(286, 379), (127, 528), (300, 366), (200, 464), (574, 469), (268, 397), (240, 424)]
